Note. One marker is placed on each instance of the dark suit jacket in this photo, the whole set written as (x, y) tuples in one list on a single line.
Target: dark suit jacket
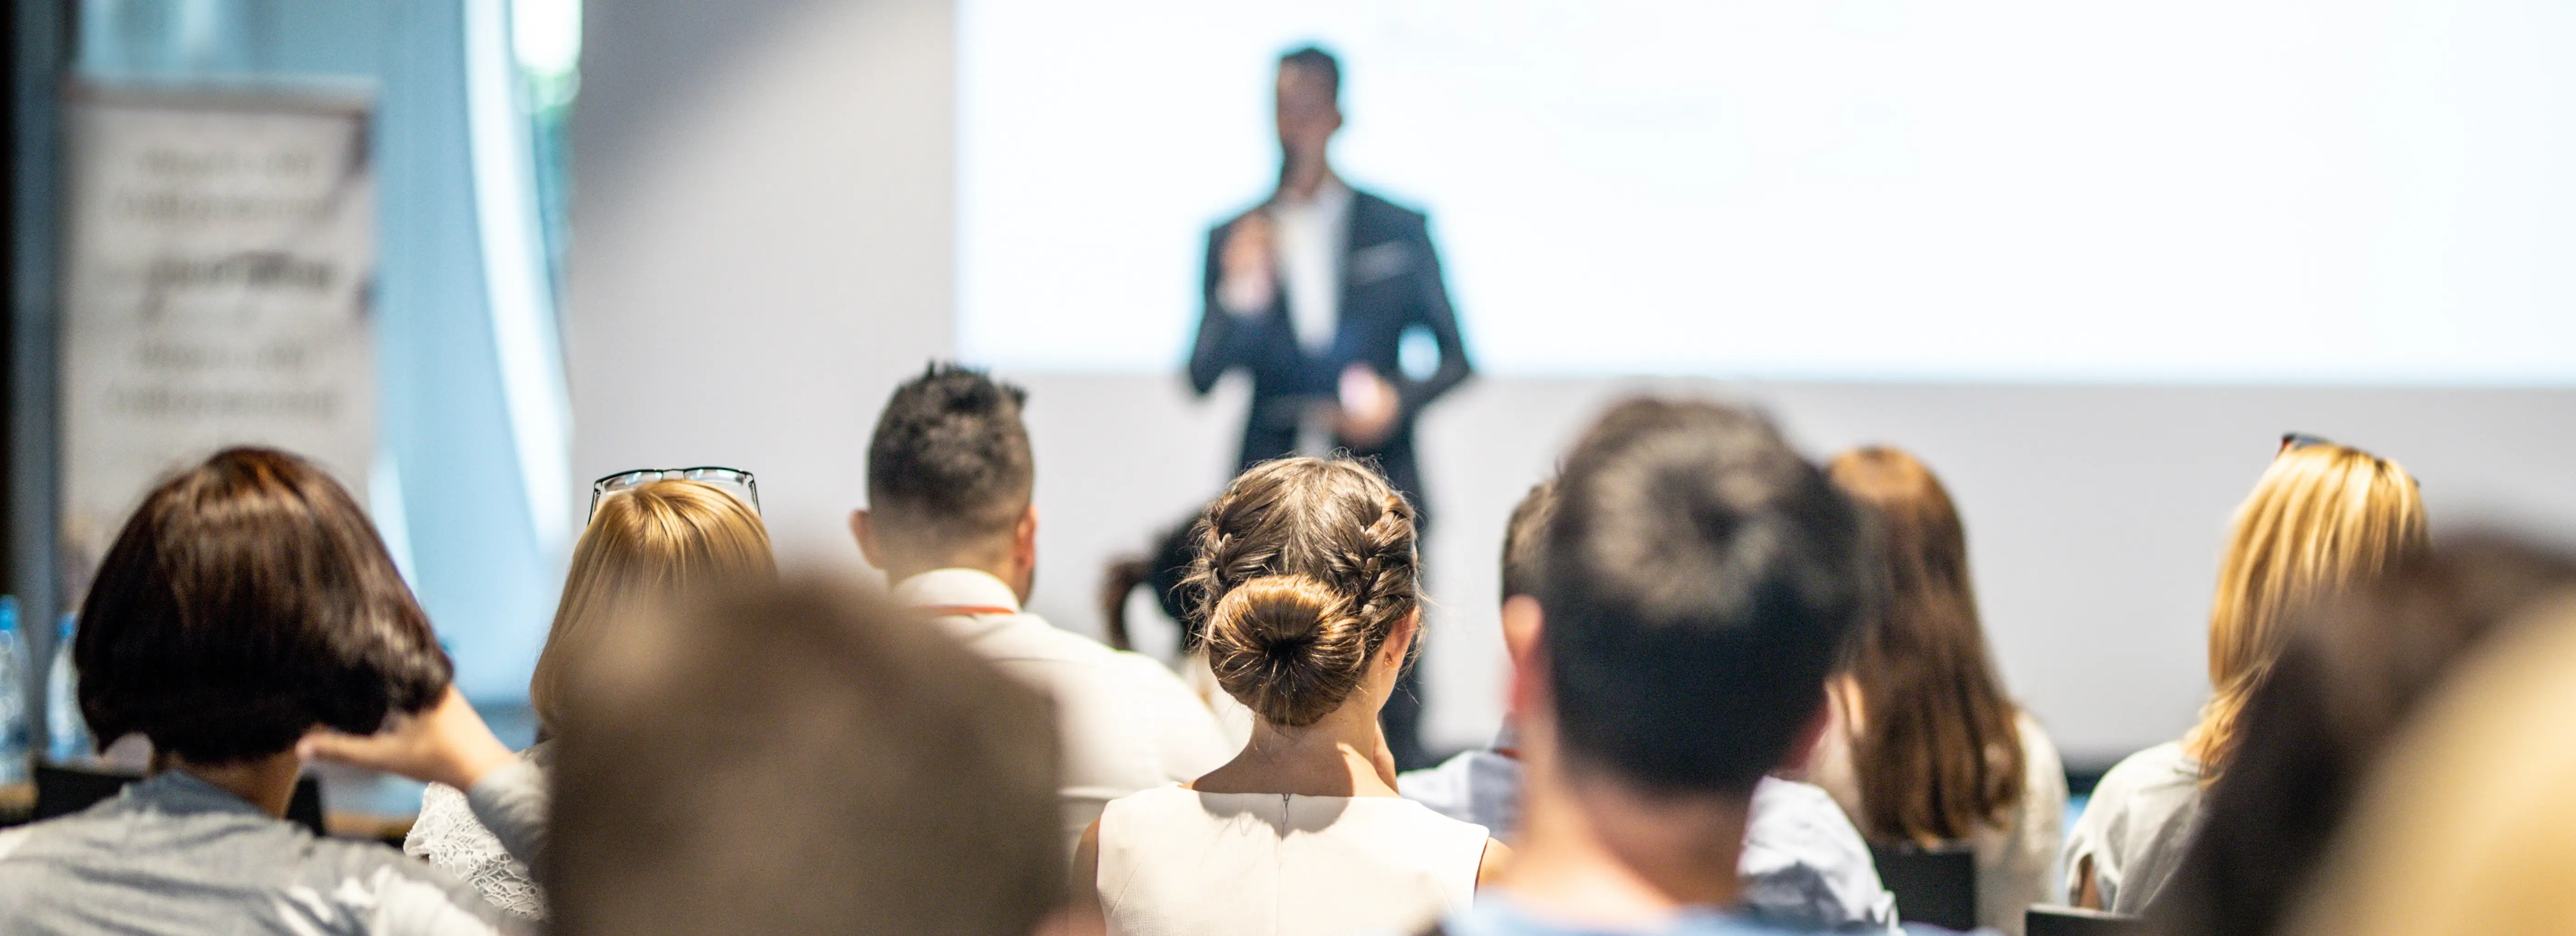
[(1390, 283)]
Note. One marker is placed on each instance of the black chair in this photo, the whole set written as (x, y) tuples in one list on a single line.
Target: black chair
[(1933, 886), (61, 791), (2076, 921)]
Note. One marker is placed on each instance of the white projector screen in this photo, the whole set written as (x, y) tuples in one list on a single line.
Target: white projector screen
[(2268, 191)]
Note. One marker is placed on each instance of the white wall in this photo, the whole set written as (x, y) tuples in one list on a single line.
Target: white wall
[(763, 247), (761, 241)]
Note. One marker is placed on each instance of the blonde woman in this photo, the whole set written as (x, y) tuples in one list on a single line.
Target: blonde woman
[(2323, 518), (649, 535)]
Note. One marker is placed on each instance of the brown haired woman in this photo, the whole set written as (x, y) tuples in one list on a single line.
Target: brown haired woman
[(1311, 606), (247, 603), (1924, 747), (642, 543)]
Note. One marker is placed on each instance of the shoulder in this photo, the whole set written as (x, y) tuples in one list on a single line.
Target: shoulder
[(369, 880), (1796, 816), (2147, 798), (2035, 742), (2040, 762), (1216, 231), (351, 859), (1439, 784), (1774, 796), (1411, 821), (1028, 637), (1792, 825), (1144, 812), (1372, 209), (392, 894), (2164, 765)]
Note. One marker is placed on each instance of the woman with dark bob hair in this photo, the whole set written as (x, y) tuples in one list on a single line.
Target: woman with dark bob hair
[(247, 605)]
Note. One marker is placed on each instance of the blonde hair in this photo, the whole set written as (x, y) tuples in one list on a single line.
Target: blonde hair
[(2323, 517), (2465, 825), (643, 542)]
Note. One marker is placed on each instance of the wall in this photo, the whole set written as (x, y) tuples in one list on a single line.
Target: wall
[(761, 241), (763, 248)]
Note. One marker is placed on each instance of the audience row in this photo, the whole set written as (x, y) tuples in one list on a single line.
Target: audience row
[(1737, 676)]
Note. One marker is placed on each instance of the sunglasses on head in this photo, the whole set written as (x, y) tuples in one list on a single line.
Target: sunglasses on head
[(734, 481), (2300, 440)]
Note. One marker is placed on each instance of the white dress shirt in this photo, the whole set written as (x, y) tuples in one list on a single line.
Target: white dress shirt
[(1311, 236), (1124, 721)]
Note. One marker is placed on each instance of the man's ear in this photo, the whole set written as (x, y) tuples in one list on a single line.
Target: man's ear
[(1524, 632), (1024, 538), (1522, 622), (864, 529)]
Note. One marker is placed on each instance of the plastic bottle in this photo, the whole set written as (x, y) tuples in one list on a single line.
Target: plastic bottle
[(66, 733), (14, 667)]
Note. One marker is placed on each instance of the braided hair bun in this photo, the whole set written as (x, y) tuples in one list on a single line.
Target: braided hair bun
[(1306, 567)]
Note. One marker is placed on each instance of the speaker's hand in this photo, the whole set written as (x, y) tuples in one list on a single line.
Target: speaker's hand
[(1369, 407), (1248, 278)]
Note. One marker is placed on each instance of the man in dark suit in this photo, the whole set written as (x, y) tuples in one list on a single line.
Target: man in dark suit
[(1313, 292)]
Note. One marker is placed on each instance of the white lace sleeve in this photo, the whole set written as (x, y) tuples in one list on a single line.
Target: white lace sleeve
[(447, 835)]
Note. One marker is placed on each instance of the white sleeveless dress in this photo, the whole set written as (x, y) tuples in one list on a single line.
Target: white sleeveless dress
[(1178, 862)]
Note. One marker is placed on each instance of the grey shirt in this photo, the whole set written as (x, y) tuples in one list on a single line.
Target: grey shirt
[(175, 854), (2133, 833)]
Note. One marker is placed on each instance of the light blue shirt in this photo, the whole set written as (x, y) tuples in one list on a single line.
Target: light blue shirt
[(1499, 916), (1804, 864)]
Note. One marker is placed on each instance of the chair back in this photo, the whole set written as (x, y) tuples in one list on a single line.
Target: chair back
[(1935, 886), (2046, 920), (62, 790)]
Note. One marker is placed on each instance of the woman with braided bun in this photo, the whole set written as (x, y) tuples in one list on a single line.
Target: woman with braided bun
[(1310, 603)]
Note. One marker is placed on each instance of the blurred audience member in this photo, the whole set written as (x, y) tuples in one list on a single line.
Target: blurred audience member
[(1924, 747), (2350, 678), (951, 522), (2467, 826), (1310, 575), (1803, 861), (1484, 786), (643, 543), (1165, 574), (1697, 581), (801, 759), (246, 603), (2324, 517)]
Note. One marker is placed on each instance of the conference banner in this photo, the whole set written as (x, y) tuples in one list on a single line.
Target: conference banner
[(218, 258)]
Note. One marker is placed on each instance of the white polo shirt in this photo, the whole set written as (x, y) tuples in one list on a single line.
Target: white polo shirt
[(1124, 721)]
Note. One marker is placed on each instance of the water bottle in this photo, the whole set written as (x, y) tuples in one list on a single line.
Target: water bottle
[(14, 666), (66, 733)]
